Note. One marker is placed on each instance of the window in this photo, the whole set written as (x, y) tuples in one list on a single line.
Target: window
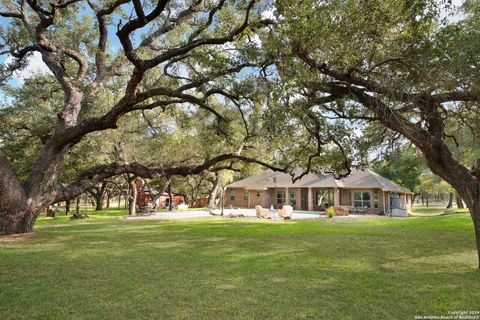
[(232, 195), (293, 198), (258, 194), (375, 200), (361, 199), (280, 197), (324, 197), (245, 195)]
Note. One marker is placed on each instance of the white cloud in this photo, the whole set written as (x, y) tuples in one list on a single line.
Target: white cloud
[(454, 13), (269, 14), (458, 3), (35, 66), (256, 39)]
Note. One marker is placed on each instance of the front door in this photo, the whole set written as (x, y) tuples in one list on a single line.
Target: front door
[(304, 199)]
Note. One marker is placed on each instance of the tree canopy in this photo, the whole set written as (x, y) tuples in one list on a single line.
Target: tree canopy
[(123, 65)]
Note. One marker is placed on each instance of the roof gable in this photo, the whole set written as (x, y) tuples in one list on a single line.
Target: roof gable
[(369, 179), (271, 179)]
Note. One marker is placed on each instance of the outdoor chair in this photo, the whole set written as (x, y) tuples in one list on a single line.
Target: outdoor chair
[(359, 210), (262, 212), (285, 212)]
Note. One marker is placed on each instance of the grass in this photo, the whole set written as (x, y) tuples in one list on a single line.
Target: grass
[(105, 268), (113, 211), (421, 211)]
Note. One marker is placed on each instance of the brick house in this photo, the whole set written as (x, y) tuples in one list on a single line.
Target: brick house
[(361, 189)]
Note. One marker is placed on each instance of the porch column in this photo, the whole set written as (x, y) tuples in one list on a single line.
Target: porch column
[(383, 198), (387, 201), (409, 203), (266, 201), (310, 199), (287, 196), (336, 197)]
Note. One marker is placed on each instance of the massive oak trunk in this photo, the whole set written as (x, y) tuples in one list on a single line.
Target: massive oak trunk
[(98, 203), (459, 201), (475, 214), (67, 207), (18, 211), (19, 221), (77, 206), (450, 200), (21, 204), (108, 199), (170, 197), (213, 192), (98, 194), (132, 199)]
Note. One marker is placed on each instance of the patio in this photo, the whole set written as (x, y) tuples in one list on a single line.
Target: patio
[(247, 213)]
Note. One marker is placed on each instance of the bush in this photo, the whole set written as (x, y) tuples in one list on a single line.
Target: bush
[(330, 212)]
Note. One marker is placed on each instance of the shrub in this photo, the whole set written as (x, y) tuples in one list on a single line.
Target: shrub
[(330, 212)]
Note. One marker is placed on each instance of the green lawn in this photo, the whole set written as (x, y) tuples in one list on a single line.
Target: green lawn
[(104, 268), (421, 211), (89, 210)]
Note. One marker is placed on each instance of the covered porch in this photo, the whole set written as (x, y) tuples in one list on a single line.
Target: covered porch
[(365, 201), (305, 198), (363, 191)]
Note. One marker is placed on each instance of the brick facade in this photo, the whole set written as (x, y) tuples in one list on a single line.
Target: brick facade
[(267, 198)]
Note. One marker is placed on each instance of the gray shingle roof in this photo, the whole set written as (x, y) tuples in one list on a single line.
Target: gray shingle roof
[(357, 179), (369, 179)]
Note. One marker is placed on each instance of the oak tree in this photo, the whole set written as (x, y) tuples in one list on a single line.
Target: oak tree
[(402, 66), (158, 53)]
